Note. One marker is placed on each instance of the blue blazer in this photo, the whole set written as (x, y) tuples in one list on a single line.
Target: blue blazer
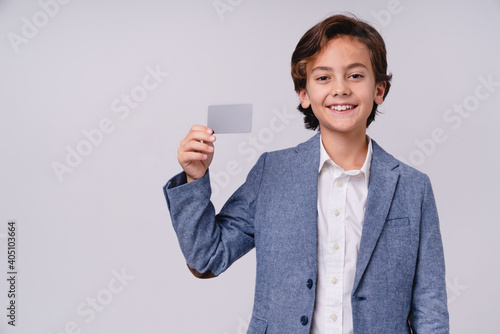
[(399, 285)]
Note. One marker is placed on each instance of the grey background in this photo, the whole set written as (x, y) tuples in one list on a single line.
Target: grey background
[(109, 212)]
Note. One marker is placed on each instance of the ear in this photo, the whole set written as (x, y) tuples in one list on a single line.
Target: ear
[(379, 92), (304, 98)]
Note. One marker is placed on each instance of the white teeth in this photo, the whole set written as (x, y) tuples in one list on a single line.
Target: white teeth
[(343, 107)]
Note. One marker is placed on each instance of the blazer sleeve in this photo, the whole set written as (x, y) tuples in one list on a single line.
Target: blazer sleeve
[(429, 302), (210, 243)]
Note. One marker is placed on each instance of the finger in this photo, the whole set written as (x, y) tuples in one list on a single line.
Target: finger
[(195, 146), (187, 157), (201, 128), (198, 147), (200, 136), (201, 133)]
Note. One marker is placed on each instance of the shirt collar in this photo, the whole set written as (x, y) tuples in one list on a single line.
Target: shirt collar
[(365, 169)]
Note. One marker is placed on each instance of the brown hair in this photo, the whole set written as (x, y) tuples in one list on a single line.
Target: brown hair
[(315, 39)]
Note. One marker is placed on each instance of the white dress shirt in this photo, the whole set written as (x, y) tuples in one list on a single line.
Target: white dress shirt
[(341, 208)]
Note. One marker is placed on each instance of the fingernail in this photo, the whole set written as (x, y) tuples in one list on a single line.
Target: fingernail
[(210, 131), (212, 137), (205, 156)]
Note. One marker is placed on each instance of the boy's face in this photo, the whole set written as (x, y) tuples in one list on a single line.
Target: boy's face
[(341, 87)]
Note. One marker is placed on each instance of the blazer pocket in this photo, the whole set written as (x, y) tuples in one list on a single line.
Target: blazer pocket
[(257, 326), (397, 222)]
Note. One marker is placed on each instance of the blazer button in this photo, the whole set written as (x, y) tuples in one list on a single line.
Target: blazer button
[(309, 283), (304, 320)]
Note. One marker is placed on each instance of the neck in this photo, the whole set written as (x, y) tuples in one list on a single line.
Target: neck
[(346, 150)]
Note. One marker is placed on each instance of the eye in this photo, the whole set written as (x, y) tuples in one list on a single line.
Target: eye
[(322, 78), (356, 76)]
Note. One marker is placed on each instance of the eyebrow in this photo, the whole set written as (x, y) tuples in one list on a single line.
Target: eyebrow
[(329, 69)]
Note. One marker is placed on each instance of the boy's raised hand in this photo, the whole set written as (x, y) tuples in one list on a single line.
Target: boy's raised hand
[(196, 152)]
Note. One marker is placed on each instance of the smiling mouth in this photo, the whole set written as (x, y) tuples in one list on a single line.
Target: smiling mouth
[(342, 107)]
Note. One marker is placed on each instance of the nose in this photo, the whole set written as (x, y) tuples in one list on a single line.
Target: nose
[(340, 87)]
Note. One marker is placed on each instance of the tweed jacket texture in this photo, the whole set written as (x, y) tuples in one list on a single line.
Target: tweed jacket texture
[(399, 284)]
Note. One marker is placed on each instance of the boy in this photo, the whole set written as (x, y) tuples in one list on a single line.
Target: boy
[(347, 237)]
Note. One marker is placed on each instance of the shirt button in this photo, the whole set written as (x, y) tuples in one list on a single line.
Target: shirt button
[(336, 246), (323, 170), (335, 280), (340, 184), (309, 283), (336, 212), (334, 317), (304, 320)]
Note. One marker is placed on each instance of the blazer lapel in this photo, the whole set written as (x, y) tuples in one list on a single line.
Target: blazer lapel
[(305, 186), (381, 187)]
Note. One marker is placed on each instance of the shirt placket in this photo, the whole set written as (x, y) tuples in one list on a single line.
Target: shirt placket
[(336, 252)]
